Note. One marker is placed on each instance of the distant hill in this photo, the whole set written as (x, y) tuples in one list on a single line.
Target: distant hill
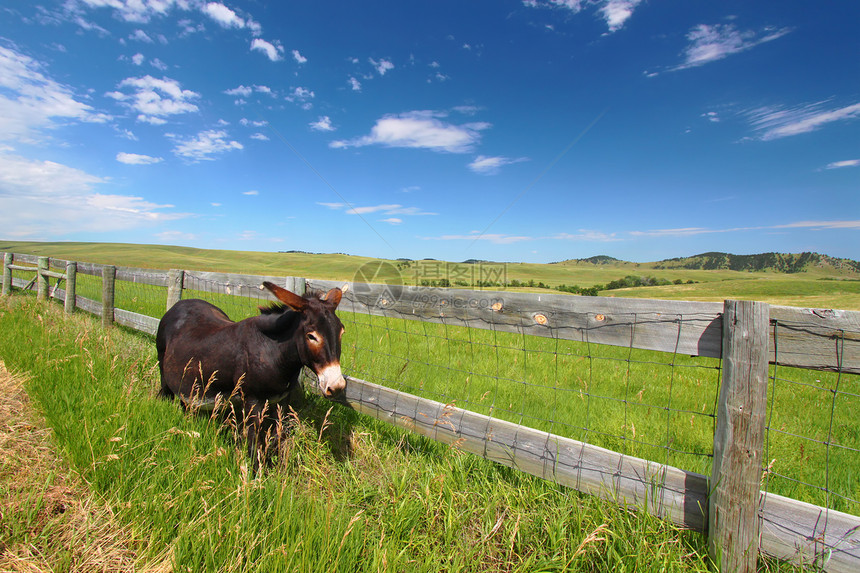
[(776, 262)]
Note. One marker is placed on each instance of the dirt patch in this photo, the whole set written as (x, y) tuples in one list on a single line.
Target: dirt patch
[(49, 521)]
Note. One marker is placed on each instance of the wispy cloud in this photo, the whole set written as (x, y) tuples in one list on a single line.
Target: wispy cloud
[(711, 43), (322, 124), (490, 165), (275, 52), (31, 102), (495, 238), (385, 209), (136, 159), (841, 164), (204, 146), (381, 66), (299, 58), (690, 231), (39, 197), (614, 12), (226, 17), (154, 99), (776, 122), (419, 129)]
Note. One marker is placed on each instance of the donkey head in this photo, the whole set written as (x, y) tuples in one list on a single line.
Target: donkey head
[(318, 335)]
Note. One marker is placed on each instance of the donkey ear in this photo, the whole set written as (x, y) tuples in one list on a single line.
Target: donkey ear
[(292, 300), (333, 297)]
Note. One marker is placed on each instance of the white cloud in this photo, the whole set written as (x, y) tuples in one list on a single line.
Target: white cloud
[(712, 43), (775, 123), (385, 209), (298, 57), (204, 145), (322, 124), (392, 221), (247, 122), (419, 129), (137, 59), (587, 235), (226, 17), (260, 137), (841, 164), (614, 12), (491, 165), (301, 94), (135, 159), (158, 64), (274, 52), (617, 12), (137, 11), (176, 236), (496, 238), (31, 102), (243, 91), (44, 200), (154, 99), (140, 36), (381, 66), (252, 192), (354, 84), (689, 231)]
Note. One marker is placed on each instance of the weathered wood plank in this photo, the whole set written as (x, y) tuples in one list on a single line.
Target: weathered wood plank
[(665, 491), (240, 285), (175, 280), (108, 292), (89, 305), (739, 438), (41, 279), (142, 276), (7, 274), (71, 287), (22, 268), (136, 321), (821, 339), (670, 326), (804, 533), (29, 259)]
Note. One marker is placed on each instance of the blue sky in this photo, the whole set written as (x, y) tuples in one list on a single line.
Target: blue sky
[(536, 130)]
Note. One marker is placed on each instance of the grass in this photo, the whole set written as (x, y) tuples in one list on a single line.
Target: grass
[(344, 493), (651, 405), (814, 287)]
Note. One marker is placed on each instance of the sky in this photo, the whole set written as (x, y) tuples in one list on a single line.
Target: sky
[(521, 130)]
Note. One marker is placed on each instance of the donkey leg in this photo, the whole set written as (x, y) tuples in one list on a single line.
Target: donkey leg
[(253, 423)]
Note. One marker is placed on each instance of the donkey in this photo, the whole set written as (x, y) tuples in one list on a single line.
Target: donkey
[(254, 364)]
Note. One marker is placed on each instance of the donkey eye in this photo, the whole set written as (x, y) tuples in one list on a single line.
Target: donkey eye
[(312, 337)]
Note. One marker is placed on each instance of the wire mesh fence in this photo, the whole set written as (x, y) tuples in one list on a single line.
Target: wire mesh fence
[(812, 442), (625, 397), (643, 403)]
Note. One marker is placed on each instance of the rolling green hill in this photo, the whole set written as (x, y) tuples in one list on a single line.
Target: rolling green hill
[(805, 279)]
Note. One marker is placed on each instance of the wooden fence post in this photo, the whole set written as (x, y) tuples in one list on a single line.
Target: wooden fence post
[(41, 278), (108, 293), (71, 286), (7, 274), (733, 505), (175, 278)]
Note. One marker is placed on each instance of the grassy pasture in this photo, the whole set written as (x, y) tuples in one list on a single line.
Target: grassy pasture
[(344, 493), (651, 405), (816, 287)]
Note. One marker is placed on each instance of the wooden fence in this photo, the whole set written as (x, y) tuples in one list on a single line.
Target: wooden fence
[(739, 519)]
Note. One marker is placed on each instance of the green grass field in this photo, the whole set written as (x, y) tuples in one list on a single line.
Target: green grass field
[(816, 287), (652, 405), (345, 493)]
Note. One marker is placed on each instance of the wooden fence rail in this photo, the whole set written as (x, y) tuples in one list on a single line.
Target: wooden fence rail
[(728, 505)]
